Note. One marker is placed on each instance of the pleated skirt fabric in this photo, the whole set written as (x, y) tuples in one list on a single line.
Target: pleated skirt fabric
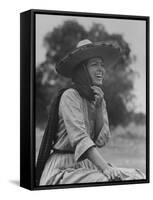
[(62, 169)]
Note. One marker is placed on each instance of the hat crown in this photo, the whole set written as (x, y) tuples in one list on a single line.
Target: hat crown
[(83, 43)]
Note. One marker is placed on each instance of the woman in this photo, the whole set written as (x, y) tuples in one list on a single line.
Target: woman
[(80, 123)]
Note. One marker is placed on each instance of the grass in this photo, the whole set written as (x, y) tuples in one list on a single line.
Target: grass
[(128, 153), (127, 147)]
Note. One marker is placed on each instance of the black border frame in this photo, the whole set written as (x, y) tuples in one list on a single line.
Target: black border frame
[(27, 97)]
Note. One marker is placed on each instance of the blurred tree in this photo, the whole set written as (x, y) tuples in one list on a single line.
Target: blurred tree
[(63, 39), (118, 82), (48, 82), (139, 118)]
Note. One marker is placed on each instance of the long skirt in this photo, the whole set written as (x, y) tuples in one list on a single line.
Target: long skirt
[(62, 169)]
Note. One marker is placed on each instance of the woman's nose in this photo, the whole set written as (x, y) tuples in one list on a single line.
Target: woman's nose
[(99, 68)]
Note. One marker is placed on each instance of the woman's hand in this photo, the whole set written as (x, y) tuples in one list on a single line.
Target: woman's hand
[(112, 173), (99, 95)]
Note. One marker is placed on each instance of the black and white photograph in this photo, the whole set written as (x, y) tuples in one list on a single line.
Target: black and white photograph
[(90, 99), (76, 96)]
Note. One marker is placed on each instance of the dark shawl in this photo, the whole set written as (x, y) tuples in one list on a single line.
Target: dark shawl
[(81, 82)]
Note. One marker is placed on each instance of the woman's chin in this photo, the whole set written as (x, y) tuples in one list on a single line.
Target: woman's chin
[(98, 83)]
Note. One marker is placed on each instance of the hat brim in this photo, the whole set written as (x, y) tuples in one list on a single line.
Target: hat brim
[(109, 53)]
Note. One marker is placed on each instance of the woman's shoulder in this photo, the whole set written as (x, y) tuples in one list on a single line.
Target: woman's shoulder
[(70, 99), (72, 94)]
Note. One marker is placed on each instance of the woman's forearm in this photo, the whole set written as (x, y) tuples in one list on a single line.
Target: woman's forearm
[(95, 157)]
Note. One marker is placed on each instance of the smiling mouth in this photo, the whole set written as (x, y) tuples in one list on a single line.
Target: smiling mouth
[(100, 77)]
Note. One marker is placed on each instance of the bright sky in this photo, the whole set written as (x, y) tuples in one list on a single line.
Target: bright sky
[(132, 30)]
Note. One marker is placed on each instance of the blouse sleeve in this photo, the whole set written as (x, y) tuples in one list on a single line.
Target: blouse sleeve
[(72, 113), (104, 134)]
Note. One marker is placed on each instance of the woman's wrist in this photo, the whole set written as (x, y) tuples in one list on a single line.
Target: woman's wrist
[(104, 167), (93, 155)]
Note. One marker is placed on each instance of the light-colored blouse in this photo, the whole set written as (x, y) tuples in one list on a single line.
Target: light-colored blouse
[(76, 124)]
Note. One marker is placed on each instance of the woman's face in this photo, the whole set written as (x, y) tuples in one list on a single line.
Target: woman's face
[(96, 70)]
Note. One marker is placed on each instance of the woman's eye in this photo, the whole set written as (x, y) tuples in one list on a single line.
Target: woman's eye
[(93, 64)]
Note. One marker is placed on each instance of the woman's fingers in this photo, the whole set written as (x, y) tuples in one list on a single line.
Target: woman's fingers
[(117, 173), (112, 173), (107, 174), (98, 101), (98, 90), (98, 93)]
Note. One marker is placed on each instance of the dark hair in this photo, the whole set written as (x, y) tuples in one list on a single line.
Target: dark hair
[(82, 81)]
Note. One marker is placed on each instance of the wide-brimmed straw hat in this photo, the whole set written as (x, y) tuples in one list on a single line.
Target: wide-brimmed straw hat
[(108, 51)]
